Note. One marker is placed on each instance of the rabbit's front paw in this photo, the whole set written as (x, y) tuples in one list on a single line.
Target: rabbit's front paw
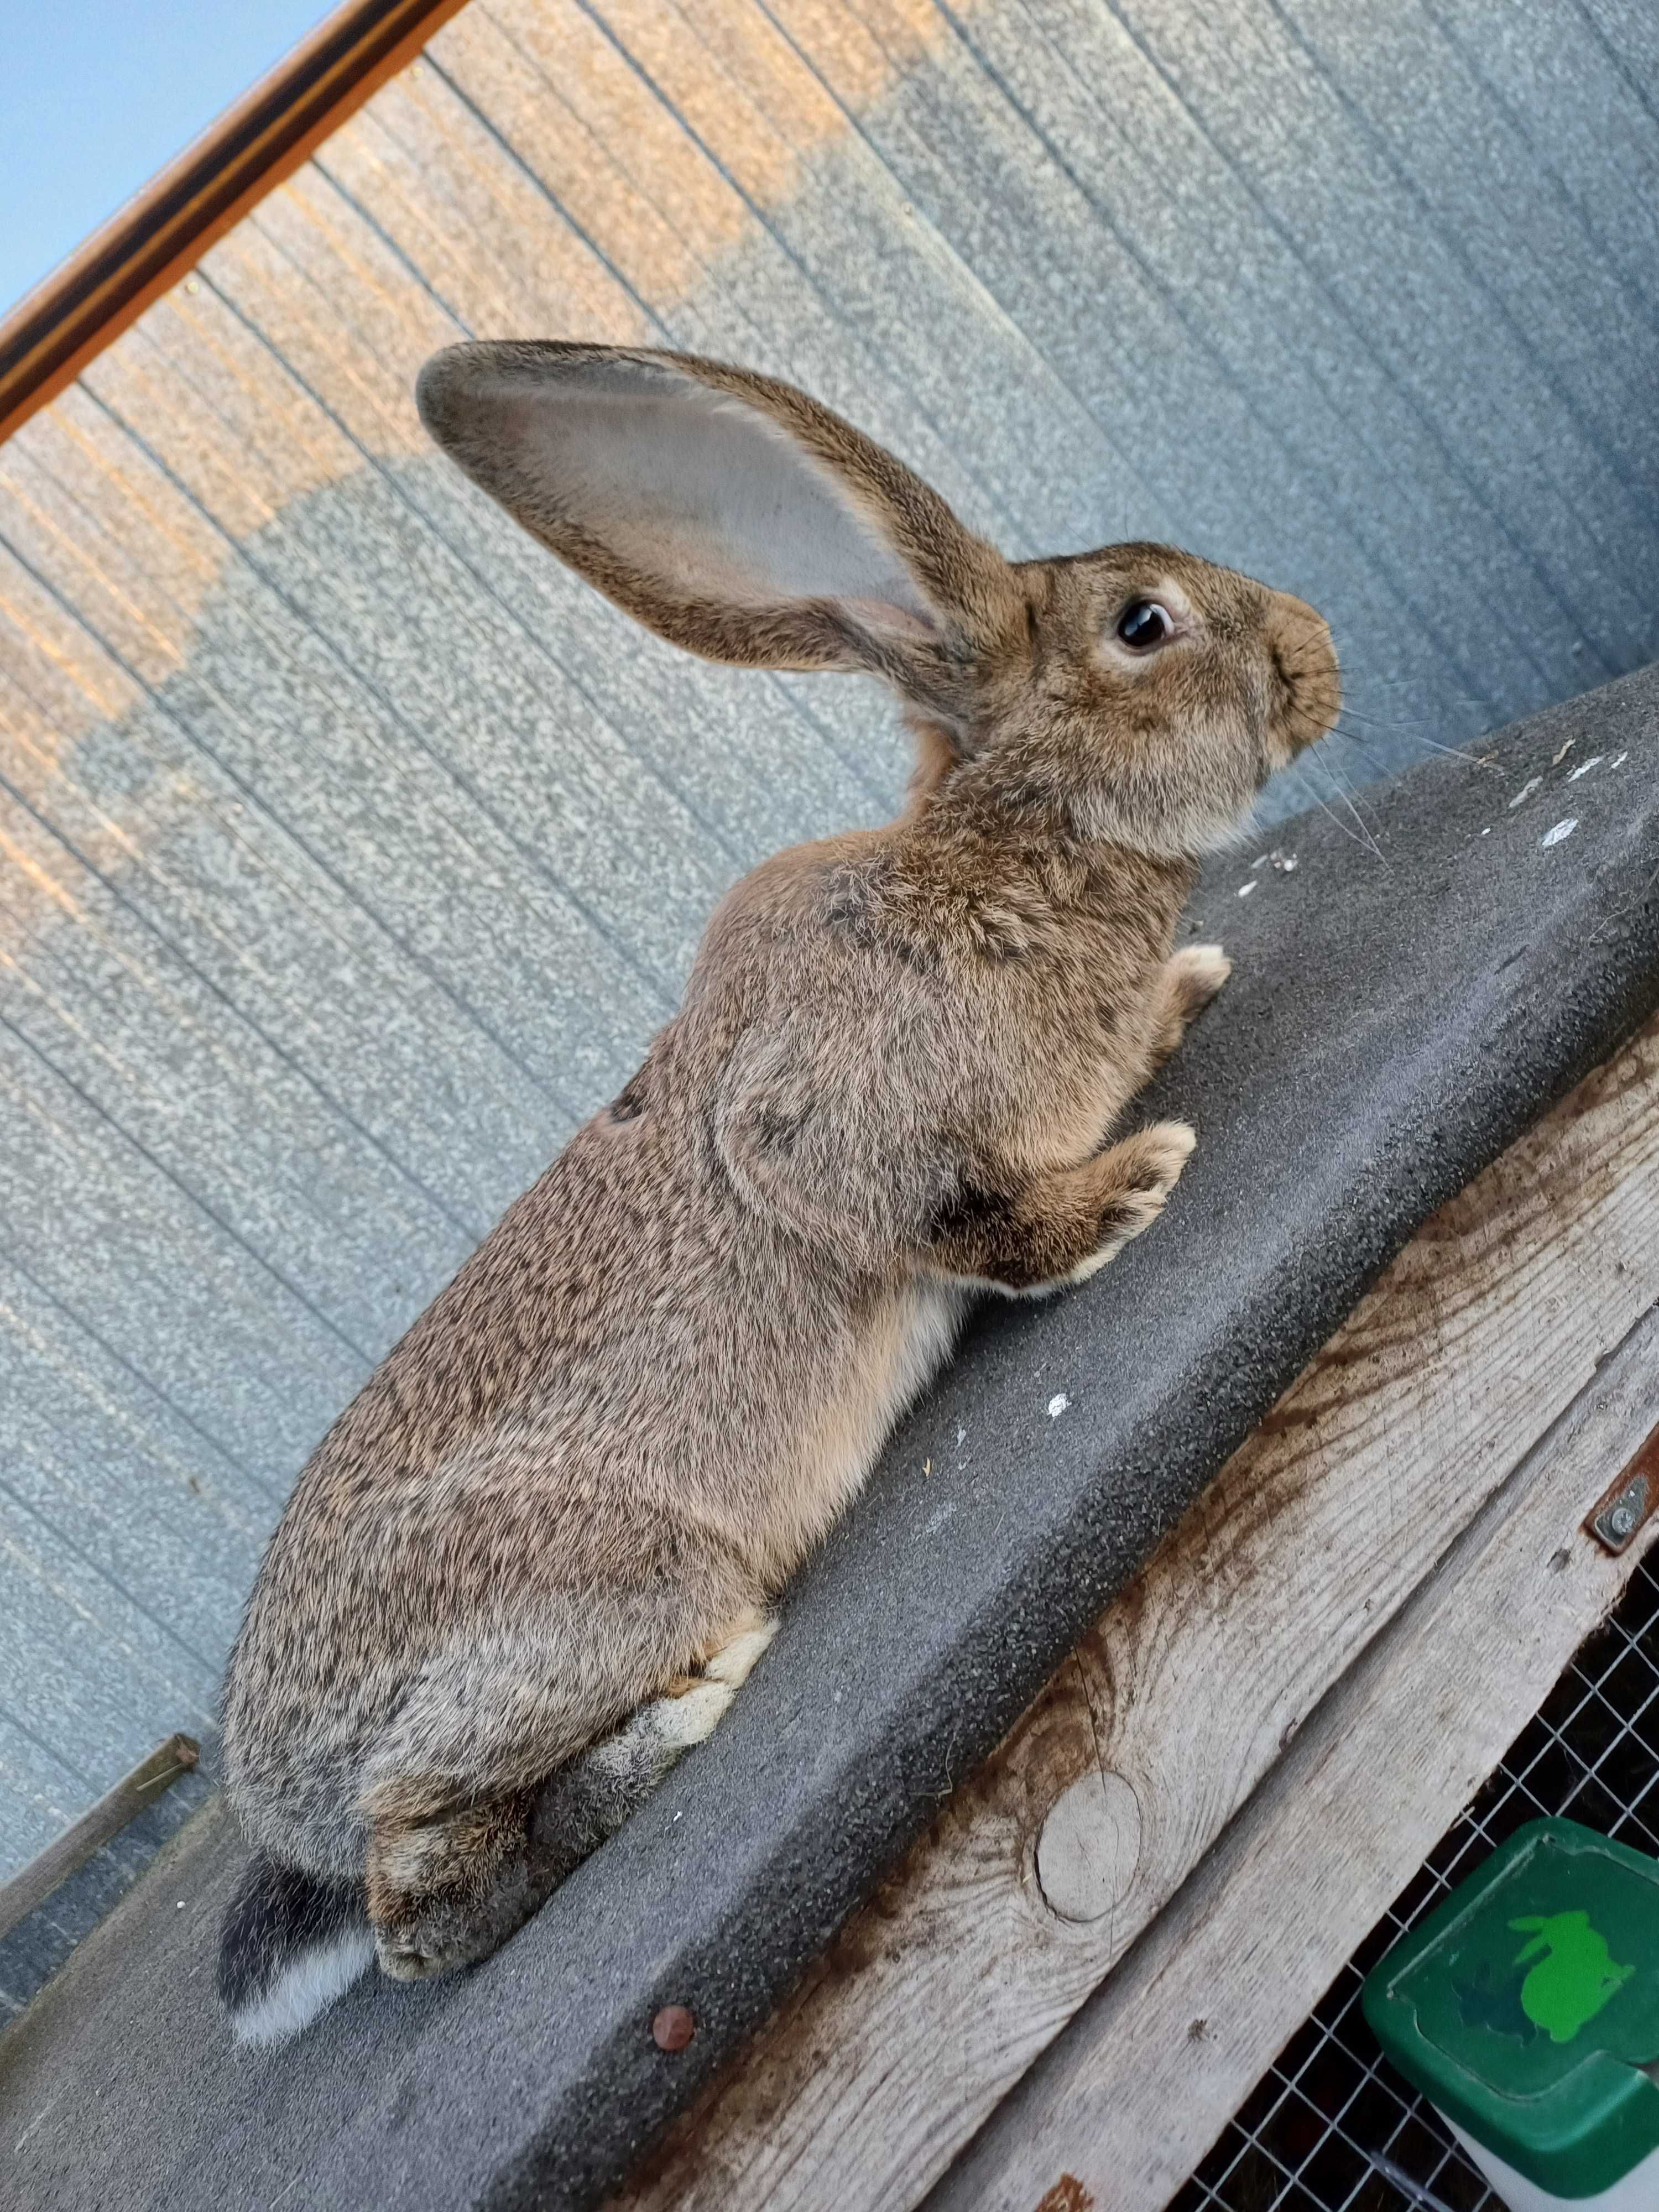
[(1199, 972), (1134, 1180)]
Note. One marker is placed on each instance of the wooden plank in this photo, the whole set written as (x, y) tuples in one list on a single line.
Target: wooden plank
[(1129, 2099), (937, 1996), (131, 1794)]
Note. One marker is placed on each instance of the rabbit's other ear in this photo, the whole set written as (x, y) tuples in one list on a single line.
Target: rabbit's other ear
[(725, 511)]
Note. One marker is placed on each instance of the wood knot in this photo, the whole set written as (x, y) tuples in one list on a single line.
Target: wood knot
[(1089, 1846)]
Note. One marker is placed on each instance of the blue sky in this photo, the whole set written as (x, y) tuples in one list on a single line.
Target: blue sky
[(96, 95)]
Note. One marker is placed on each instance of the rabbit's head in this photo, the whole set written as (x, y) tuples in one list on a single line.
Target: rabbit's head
[(1139, 694)]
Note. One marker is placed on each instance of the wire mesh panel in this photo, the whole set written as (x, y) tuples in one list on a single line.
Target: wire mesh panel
[(1331, 2127)]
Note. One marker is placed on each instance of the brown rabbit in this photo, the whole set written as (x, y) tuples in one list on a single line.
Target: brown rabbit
[(533, 1560)]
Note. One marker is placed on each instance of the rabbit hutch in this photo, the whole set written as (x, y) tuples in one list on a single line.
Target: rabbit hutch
[(1199, 1628)]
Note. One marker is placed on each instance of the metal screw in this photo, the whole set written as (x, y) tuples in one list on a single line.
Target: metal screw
[(1622, 1516)]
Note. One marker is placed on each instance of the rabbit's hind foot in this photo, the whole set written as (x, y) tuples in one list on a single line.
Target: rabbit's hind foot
[(731, 1659), (591, 1796), (450, 1890), (639, 1755)]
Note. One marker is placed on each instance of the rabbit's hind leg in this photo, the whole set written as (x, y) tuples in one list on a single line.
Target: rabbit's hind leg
[(447, 1789), (447, 1887), (592, 1795), (448, 1883), (732, 1656)]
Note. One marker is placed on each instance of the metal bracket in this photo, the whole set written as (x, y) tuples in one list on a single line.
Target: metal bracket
[(1623, 1507)]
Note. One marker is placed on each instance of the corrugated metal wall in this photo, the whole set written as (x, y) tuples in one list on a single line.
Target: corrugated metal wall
[(349, 852)]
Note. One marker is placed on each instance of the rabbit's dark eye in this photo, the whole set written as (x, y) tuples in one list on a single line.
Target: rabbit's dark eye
[(1143, 624)]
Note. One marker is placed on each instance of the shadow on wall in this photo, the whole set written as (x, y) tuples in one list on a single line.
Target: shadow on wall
[(310, 962)]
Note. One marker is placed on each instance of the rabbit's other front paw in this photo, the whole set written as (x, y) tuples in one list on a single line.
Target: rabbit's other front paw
[(1136, 1176)]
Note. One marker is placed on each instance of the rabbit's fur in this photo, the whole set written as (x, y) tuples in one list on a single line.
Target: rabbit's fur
[(535, 1557)]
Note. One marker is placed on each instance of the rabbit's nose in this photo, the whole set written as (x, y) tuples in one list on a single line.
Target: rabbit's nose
[(1307, 683)]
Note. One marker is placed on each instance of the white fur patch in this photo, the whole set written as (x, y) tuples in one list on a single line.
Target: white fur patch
[(308, 1985), (733, 1662), (1207, 963), (694, 1717), (1082, 1271), (615, 1754)]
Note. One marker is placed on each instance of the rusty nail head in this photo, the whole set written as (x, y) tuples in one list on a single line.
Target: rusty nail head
[(673, 2029)]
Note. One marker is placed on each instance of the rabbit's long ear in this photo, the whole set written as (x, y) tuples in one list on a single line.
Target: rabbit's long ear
[(728, 512)]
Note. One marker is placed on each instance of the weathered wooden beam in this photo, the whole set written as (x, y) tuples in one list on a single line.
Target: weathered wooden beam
[(1125, 2103), (1039, 1875), (53, 1867)]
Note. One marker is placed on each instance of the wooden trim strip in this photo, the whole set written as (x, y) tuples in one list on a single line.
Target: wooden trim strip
[(49, 1868), (165, 229)]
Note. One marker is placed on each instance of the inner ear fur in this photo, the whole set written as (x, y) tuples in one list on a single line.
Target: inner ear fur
[(728, 511)]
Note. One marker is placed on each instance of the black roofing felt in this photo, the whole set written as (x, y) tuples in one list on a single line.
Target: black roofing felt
[(1402, 1009)]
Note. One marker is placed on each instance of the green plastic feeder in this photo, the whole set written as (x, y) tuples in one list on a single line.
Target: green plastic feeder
[(1526, 2008)]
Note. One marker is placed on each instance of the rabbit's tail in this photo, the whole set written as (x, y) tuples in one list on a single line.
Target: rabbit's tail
[(290, 1945)]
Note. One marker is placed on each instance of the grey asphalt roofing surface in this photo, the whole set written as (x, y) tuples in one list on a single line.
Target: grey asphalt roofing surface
[(1401, 1010)]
